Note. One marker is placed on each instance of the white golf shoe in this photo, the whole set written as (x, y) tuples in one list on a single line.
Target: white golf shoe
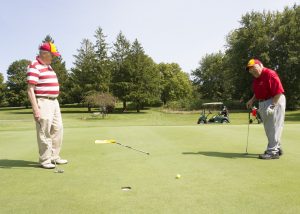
[(60, 161), (48, 166)]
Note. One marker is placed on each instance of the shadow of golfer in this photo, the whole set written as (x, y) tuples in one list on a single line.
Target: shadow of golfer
[(8, 164), (222, 154)]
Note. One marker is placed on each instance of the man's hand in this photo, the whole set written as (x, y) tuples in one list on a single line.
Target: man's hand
[(270, 110), (33, 101), (249, 103), (37, 114)]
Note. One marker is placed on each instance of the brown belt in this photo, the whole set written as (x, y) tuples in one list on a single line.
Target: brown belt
[(44, 97)]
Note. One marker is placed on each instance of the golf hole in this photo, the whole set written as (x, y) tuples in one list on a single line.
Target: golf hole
[(126, 188)]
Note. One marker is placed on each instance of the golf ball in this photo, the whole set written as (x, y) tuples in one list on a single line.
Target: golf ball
[(178, 176)]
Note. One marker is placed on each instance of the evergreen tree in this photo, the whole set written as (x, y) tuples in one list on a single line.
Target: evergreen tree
[(144, 77), (83, 75), (103, 64), (120, 73)]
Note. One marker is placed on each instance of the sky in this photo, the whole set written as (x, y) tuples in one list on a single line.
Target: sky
[(180, 31)]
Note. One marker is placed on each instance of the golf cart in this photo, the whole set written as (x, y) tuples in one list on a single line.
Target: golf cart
[(220, 117)]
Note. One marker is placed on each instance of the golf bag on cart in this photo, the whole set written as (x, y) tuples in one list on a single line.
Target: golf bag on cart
[(255, 114)]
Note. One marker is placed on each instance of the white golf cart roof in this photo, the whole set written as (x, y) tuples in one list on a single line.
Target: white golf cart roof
[(215, 103)]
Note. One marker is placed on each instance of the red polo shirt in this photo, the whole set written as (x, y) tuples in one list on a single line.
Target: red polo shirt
[(267, 85)]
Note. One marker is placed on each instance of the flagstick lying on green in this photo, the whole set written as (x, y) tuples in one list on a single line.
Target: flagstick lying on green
[(114, 141)]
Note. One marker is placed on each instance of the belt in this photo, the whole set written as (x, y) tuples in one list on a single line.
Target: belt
[(45, 97), (262, 100)]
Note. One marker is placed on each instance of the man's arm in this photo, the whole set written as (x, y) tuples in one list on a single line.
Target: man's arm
[(275, 99), (33, 101), (250, 102)]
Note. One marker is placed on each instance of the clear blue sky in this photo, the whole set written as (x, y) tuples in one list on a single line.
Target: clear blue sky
[(180, 31)]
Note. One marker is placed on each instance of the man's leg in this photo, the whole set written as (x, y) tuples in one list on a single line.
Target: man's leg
[(43, 127), (279, 119), (56, 132), (269, 126)]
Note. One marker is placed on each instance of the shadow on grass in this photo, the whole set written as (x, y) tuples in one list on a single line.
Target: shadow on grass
[(222, 154), (8, 164)]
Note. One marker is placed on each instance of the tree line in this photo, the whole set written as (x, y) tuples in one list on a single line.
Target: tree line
[(272, 37), (123, 69)]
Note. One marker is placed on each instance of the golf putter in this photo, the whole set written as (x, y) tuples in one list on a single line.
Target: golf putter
[(248, 133), (120, 144), (56, 169), (129, 147)]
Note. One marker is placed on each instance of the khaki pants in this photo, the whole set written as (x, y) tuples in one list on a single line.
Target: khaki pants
[(49, 130), (273, 124)]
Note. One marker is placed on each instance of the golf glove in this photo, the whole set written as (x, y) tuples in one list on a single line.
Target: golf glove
[(271, 110)]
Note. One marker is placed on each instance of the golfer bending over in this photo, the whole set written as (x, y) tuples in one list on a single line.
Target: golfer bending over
[(268, 91), (43, 89)]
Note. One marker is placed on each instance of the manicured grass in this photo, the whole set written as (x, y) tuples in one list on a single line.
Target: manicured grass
[(216, 175)]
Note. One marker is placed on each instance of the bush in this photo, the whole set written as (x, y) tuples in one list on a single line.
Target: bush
[(104, 101)]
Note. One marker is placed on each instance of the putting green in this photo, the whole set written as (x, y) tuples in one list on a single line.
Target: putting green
[(216, 175)]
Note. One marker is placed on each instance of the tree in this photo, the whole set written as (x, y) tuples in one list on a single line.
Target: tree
[(59, 66), (285, 53), (120, 73), (274, 39), (83, 75), (17, 84), (251, 40), (143, 87), (211, 77), (2, 90), (103, 64), (175, 84)]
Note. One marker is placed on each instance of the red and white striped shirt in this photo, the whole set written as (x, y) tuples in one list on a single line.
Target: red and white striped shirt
[(44, 79)]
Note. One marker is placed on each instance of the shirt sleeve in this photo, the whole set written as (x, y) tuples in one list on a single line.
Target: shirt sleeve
[(32, 75), (275, 85)]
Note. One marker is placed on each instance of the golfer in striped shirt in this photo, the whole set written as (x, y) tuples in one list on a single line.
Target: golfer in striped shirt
[(43, 90)]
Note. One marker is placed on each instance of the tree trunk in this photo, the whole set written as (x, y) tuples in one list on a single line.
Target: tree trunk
[(138, 107), (124, 105), (89, 108)]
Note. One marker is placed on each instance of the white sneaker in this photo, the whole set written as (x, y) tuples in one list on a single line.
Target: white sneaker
[(60, 161), (48, 166)]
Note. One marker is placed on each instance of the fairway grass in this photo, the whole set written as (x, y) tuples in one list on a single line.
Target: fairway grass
[(216, 175)]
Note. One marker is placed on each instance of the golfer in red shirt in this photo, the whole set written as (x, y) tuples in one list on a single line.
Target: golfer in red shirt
[(268, 91)]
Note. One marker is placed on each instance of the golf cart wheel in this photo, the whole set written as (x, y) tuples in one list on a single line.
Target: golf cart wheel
[(201, 122), (224, 121)]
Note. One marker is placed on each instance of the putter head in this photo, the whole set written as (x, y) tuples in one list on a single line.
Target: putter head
[(59, 171)]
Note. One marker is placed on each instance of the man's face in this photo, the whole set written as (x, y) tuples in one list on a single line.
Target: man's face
[(255, 71), (46, 57)]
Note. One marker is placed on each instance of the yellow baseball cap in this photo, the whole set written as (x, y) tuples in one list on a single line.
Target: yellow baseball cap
[(253, 62)]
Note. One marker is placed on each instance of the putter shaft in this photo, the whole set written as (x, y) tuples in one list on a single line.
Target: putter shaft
[(129, 147)]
